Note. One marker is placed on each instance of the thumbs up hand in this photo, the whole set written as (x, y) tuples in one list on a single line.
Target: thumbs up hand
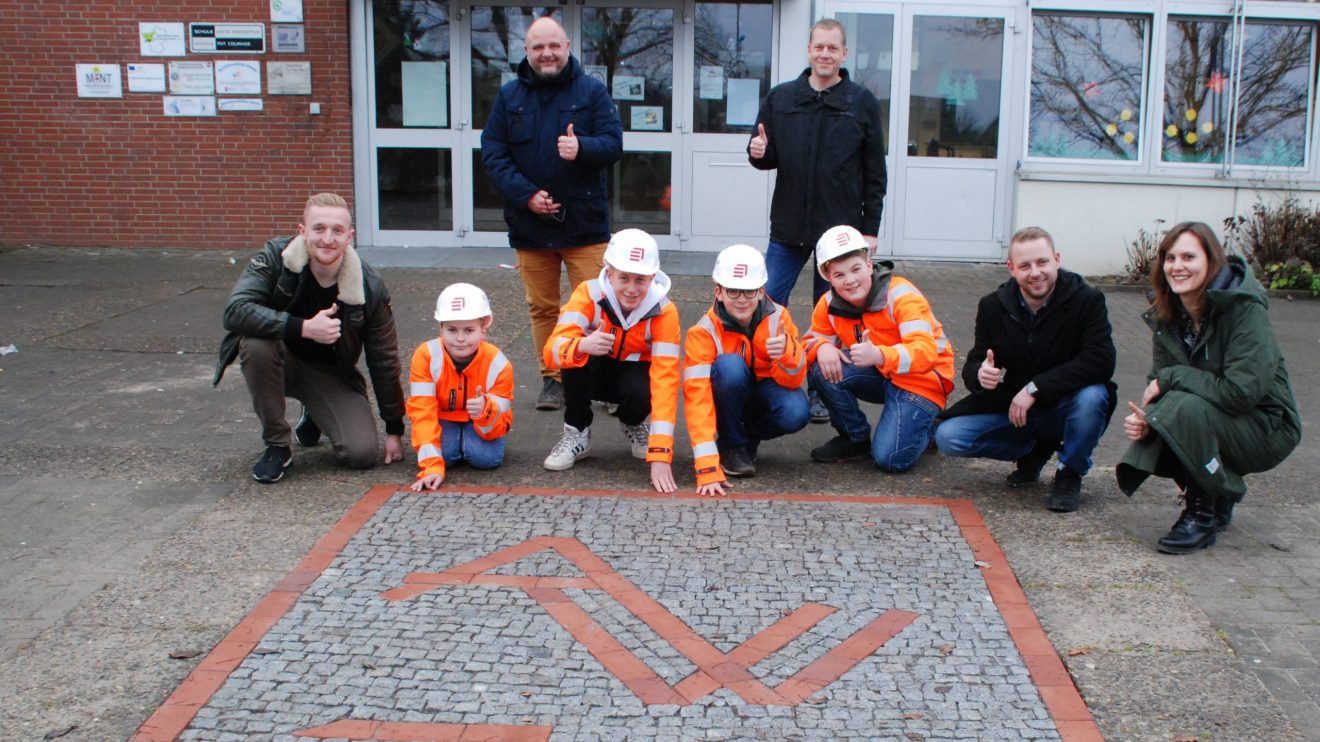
[(1135, 426), (757, 147), (866, 353), (776, 345), (568, 145), (989, 374), (322, 328), (477, 404)]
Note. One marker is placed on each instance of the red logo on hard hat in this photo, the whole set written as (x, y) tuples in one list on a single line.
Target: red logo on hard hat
[(842, 238), (637, 254), (740, 270), (456, 303)]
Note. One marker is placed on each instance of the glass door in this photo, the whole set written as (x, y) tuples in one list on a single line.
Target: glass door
[(940, 73), (411, 134)]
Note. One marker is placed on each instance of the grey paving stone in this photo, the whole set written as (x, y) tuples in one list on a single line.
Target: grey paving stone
[(490, 654)]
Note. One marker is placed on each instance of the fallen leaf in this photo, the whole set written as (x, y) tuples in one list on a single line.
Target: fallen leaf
[(817, 699), (915, 736), (981, 564), (1078, 650), (265, 650), (913, 716), (1187, 738), (527, 693), (712, 588), (869, 524), (1280, 547), (943, 688), (926, 480), (184, 654), (368, 664), (57, 733), (946, 650)]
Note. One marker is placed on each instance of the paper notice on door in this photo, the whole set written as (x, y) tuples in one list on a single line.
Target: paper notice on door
[(744, 100), (712, 82), (425, 94)]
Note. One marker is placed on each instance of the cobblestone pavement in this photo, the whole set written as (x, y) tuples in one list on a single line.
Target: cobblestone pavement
[(590, 618)]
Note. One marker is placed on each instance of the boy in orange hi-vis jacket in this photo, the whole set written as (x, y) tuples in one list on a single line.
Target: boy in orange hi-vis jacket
[(873, 338), (743, 369), (461, 390), (617, 341)]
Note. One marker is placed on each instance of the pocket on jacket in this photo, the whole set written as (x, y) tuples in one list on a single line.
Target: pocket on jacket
[(520, 128), (574, 112)]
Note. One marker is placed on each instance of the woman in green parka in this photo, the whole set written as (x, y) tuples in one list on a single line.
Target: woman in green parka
[(1219, 404)]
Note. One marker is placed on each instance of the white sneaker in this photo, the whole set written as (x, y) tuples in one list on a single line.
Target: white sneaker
[(573, 445), (638, 438)]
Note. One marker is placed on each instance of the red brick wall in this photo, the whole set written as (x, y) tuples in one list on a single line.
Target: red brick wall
[(117, 172)]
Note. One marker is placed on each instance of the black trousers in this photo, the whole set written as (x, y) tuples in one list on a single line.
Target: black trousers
[(625, 383)]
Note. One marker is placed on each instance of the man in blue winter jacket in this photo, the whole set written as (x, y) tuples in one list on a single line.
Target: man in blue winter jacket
[(550, 136)]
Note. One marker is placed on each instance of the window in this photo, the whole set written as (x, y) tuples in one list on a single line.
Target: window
[(1201, 69), (733, 52), (412, 63), (1086, 86), (631, 51)]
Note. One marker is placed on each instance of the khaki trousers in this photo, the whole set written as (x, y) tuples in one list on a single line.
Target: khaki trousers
[(273, 373), (540, 275)]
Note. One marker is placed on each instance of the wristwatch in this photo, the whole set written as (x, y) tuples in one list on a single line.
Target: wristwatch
[(1031, 388)]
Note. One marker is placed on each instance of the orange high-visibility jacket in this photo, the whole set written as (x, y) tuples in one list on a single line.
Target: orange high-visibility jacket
[(438, 391), (711, 338), (917, 355), (655, 338)]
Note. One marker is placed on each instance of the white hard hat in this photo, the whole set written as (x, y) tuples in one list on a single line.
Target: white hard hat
[(837, 241), (740, 267), (633, 251), (460, 301)]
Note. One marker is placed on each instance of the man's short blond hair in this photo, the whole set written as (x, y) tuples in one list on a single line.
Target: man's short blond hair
[(1027, 234), (333, 200), (829, 24)]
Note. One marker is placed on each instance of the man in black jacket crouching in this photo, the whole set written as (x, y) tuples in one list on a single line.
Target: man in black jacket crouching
[(1040, 373)]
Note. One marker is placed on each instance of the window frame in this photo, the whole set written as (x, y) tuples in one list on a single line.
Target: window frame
[(1150, 165)]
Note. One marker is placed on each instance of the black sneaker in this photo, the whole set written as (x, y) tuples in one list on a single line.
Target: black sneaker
[(1066, 492), (552, 395), (274, 461), (736, 462), (818, 412), (1029, 466), (840, 448), (307, 432)]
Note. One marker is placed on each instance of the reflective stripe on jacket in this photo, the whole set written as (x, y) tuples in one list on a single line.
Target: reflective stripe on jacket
[(917, 355), (709, 339), (438, 391), (654, 339)]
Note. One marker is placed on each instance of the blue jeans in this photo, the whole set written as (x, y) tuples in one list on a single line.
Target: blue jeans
[(784, 263), (1078, 421), (459, 442), (903, 431), (746, 408)]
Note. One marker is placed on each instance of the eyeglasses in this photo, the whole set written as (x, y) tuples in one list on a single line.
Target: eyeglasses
[(741, 293)]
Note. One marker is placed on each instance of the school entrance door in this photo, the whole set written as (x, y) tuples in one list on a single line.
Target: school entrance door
[(942, 74)]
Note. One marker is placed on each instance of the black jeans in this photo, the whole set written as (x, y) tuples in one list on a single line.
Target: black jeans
[(625, 383)]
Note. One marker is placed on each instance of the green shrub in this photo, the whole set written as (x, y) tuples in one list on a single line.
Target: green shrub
[(1278, 241)]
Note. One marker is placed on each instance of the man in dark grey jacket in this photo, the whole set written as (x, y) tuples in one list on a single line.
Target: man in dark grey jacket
[(298, 319), (823, 134), (1040, 373)]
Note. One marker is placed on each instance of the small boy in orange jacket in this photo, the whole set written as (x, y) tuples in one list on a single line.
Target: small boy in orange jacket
[(742, 374), (461, 390)]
